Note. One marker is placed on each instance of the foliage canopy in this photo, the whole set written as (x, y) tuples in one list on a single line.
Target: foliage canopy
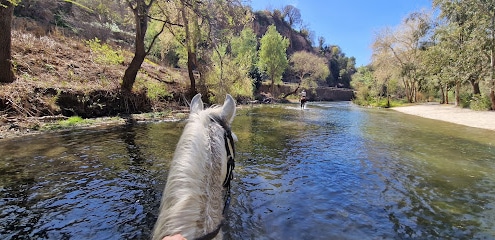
[(272, 57)]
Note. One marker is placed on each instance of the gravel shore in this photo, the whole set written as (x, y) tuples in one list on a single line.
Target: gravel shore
[(450, 113)]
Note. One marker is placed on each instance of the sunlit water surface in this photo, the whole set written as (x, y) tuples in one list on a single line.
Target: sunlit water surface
[(331, 171)]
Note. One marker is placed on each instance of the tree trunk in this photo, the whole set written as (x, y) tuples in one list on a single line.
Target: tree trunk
[(293, 92), (492, 65), (446, 94), (190, 44), (408, 88), (6, 71), (492, 97), (272, 86), (132, 70), (141, 18), (191, 65), (476, 86), (443, 94), (457, 93)]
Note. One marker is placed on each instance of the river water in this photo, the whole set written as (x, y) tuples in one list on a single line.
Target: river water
[(331, 171)]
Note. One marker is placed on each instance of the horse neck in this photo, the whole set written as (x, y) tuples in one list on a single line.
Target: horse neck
[(193, 192), (201, 149)]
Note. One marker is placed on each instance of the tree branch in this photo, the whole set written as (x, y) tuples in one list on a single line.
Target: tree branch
[(165, 21), (149, 5), (154, 39)]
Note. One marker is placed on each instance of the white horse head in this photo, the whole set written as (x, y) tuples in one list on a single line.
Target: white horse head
[(200, 173)]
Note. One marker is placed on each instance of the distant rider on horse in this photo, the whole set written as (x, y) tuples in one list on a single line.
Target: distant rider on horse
[(303, 98)]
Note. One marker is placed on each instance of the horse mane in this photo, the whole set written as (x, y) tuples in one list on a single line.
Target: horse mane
[(193, 199)]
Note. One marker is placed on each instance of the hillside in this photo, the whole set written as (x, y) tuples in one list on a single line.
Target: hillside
[(341, 67), (61, 75), (61, 67), (297, 42)]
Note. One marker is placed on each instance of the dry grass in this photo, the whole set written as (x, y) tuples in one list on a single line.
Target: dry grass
[(48, 65), (61, 63)]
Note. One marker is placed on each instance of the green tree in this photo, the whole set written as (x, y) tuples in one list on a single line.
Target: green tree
[(384, 72), (206, 28), (187, 32), (272, 55), (237, 64), (6, 13), (477, 18), (308, 68), (341, 67), (232, 57), (363, 83), (467, 37), (142, 11), (229, 73), (244, 48), (437, 66)]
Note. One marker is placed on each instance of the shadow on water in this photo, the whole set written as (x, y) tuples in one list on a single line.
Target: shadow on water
[(91, 184), (330, 171)]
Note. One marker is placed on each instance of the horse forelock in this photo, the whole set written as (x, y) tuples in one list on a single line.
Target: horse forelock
[(192, 202)]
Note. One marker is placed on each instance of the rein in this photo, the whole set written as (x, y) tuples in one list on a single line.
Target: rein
[(212, 234), (230, 148)]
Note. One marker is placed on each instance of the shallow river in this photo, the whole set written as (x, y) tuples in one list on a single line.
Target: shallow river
[(332, 171)]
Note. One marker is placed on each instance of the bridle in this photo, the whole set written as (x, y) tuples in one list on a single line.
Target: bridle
[(230, 148)]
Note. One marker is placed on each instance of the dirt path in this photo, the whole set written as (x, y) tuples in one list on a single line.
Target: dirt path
[(450, 113)]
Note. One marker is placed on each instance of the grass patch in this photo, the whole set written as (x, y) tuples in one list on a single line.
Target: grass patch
[(104, 53), (68, 123), (156, 91), (381, 103), (72, 121)]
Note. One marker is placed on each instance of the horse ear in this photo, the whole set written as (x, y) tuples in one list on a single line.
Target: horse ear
[(196, 104), (228, 111)]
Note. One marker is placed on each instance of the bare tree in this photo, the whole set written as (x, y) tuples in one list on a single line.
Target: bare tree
[(292, 15), (403, 46)]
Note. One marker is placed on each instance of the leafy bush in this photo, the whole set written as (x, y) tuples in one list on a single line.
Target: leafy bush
[(480, 103), (104, 53), (156, 91), (465, 99)]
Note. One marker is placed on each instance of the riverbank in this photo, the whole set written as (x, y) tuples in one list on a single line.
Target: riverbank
[(12, 128), (32, 126), (452, 114), (28, 126)]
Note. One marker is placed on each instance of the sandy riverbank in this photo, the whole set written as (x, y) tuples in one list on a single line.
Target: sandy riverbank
[(450, 113)]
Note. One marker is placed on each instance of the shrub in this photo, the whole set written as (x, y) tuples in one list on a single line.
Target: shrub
[(156, 91), (104, 53), (480, 102), (465, 99)]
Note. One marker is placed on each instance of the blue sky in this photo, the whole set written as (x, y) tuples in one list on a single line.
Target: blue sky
[(350, 24)]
